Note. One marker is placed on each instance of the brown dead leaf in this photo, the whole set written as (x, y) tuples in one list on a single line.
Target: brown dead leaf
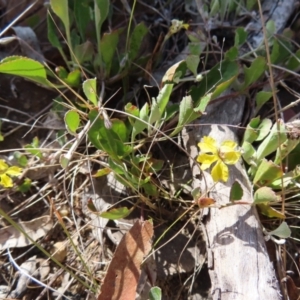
[(293, 291), (124, 270), (10, 237)]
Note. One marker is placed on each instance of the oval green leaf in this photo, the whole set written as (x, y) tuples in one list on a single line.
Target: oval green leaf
[(236, 192), (72, 121), (90, 90), (116, 213), (264, 195)]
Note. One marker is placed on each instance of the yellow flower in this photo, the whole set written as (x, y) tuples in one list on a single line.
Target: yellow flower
[(5, 170), (224, 155)]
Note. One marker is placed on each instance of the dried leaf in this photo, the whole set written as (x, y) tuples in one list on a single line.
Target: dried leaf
[(27, 267), (205, 202), (292, 289), (59, 251), (124, 270), (10, 237), (29, 43)]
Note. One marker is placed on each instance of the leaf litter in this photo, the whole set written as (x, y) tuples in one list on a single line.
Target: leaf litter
[(11, 237), (124, 271)]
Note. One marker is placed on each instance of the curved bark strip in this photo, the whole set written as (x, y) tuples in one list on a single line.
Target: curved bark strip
[(239, 265)]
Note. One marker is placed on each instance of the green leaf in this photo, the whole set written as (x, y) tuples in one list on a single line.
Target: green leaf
[(132, 110), (61, 72), (282, 49), (171, 111), (271, 29), (175, 72), (272, 141), (250, 4), (220, 73), (203, 103), (256, 70), (141, 124), (155, 293), (150, 189), (84, 52), (33, 148), (60, 8), (52, 33), (116, 213), (21, 158), (164, 97), (24, 67), (267, 172), (154, 114), (72, 121), (275, 52), (282, 231), (102, 172), (232, 54), (293, 62), (220, 88), (287, 179), (75, 38), (82, 17), (195, 48), (236, 192), (158, 106), (119, 127), (102, 12), (25, 186), (264, 195), (186, 114), (196, 193), (109, 140), (108, 45), (240, 36), (249, 153), (192, 62), (64, 161), (136, 39), (263, 129), (269, 211), (285, 149), (214, 7), (90, 90), (73, 78), (251, 132), (112, 214), (261, 98), (117, 167)]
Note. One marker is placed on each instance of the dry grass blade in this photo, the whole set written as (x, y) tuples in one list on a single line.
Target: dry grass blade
[(124, 270)]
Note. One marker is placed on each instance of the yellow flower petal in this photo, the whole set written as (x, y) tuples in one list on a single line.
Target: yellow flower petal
[(219, 172), (6, 181), (231, 158), (228, 146), (13, 171), (3, 165), (206, 160), (208, 145)]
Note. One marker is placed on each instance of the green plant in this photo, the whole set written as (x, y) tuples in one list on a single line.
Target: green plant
[(264, 147)]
